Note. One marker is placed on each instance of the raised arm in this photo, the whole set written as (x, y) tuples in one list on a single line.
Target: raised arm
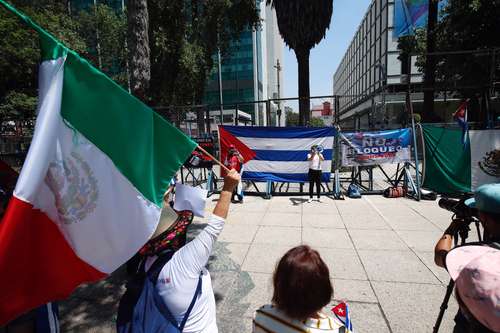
[(193, 256)]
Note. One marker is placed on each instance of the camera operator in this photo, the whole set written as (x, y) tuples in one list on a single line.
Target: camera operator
[(487, 202)]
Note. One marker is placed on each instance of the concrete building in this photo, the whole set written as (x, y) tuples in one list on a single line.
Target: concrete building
[(324, 112), (249, 73), (370, 77)]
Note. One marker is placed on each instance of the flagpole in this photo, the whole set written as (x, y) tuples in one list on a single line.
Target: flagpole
[(213, 158)]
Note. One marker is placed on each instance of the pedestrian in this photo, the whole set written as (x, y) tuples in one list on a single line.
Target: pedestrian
[(235, 161), (176, 294), (487, 202), (302, 287), (315, 157), (476, 272)]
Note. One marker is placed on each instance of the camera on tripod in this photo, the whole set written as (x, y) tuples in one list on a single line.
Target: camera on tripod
[(458, 207)]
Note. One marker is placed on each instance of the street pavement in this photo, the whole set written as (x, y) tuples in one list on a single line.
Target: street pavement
[(379, 252)]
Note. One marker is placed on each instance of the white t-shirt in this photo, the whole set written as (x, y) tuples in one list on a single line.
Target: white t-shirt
[(178, 279), (315, 162)]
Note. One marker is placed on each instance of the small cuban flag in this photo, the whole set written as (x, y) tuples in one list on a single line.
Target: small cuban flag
[(461, 118), (341, 311)]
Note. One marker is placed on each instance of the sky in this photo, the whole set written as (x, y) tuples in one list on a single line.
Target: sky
[(325, 57)]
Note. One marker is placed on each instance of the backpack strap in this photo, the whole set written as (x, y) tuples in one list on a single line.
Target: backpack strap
[(195, 297), (153, 274), (157, 266)]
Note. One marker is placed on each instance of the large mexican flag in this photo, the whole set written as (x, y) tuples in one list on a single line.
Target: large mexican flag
[(90, 192), (452, 167)]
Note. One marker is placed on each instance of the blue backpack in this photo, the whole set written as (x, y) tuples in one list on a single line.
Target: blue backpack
[(353, 191), (142, 309)]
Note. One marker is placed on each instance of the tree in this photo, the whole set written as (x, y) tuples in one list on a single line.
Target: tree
[(292, 118), (303, 24), (104, 28), (20, 54), (317, 122), (184, 40), (474, 27), (138, 44)]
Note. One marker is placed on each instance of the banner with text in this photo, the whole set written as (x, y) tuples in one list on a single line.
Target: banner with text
[(372, 148)]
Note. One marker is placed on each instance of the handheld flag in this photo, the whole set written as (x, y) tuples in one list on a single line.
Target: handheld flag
[(461, 117), (341, 311), (228, 141), (90, 192)]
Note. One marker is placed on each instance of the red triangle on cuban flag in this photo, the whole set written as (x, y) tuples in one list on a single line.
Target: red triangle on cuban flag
[(228, 141), (340, 310)]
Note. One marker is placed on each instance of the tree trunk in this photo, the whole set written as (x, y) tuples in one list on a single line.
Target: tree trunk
[(304, 105), (430, 64), (138, 43)]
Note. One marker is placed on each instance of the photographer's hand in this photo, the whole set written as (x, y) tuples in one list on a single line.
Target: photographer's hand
[(444, 244)]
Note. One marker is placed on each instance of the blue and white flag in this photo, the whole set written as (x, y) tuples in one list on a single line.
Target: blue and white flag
[(281, 152)]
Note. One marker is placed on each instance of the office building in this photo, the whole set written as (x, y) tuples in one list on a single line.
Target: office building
[(249, 73), (370, 79)]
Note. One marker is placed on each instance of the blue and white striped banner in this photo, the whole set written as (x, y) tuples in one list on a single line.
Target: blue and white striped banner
[(282, 151)]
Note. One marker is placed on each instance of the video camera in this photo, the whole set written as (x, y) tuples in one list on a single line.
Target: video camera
[(458, 206)]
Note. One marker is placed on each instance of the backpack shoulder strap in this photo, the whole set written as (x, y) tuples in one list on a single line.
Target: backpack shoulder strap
[(157, 266), (195, 297)]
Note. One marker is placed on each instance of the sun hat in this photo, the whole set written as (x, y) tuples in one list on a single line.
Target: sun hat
[(486, 199), (476, 272)]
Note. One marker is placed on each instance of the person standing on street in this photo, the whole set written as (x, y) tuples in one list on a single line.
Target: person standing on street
[(315, 158), (235, 161)]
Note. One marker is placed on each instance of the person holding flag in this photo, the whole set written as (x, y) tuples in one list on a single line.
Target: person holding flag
[(235, 161)]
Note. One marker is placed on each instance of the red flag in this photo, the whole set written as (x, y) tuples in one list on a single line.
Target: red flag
[(228, 141)]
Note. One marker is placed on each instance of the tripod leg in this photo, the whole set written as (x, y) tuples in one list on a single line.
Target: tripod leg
[(444, 306)]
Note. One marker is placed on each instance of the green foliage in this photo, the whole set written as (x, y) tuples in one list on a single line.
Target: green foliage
[(292, 118), (466, 25), (111, 27), (184, 36), (20, 55), (316, 122)]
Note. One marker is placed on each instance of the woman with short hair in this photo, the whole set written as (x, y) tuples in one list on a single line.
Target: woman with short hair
[(302, 288)]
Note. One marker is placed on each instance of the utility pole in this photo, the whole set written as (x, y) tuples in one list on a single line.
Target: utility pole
[(430, 62), (220, 87), (278, 70)]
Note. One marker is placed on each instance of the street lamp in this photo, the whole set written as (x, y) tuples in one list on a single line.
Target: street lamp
[(278, 70)]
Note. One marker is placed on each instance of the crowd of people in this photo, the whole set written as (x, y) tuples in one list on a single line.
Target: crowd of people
[(171, 290)]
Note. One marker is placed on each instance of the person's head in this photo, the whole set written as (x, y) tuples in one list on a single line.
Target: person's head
[(476, 272), (302, 283), (313, 148), (487, 201)]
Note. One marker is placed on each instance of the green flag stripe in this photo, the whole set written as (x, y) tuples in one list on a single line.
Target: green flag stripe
[(143, 146), (447, 161)]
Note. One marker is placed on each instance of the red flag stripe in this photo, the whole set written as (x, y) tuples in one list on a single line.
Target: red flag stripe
[(39, 265)]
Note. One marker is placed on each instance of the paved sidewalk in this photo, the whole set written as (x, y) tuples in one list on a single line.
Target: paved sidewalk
[(379, 252)]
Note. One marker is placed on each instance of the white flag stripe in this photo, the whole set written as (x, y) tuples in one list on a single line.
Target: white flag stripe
[(92, 191), (284, 167), (286, 143), (482, 143)]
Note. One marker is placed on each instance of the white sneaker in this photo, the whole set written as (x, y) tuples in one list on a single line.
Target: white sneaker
[(309, 201), (318, 200)]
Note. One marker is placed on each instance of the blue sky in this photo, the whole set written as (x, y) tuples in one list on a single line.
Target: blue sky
[(326, 56)]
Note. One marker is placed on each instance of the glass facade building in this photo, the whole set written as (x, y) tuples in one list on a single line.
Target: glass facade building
[(248, 72), (370, 73)]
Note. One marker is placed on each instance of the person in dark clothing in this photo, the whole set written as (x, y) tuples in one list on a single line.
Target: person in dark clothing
[(315, 158)]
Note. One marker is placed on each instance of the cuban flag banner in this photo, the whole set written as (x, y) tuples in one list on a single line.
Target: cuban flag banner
[(373, 148), (281, 152)]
